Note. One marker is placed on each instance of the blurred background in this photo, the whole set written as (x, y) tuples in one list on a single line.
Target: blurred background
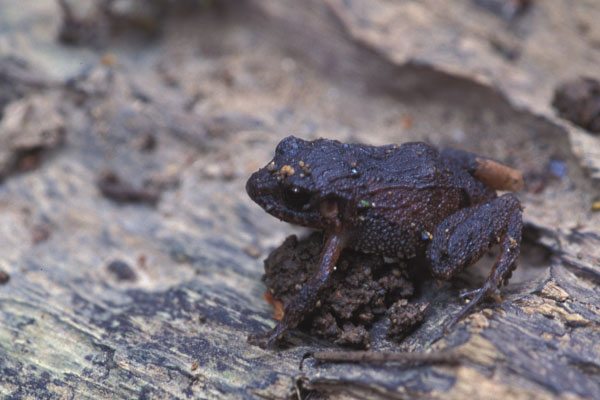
[(130, 255)]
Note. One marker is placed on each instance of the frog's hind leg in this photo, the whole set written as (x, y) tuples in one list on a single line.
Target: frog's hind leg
[(465, 236), (493, 174)]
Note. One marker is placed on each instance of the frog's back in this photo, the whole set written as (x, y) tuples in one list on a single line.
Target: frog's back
[(409, 190), (348, 170), (414, 164)]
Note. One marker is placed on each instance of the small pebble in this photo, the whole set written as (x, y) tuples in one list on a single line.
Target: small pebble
[(4, 277), (39, 234), (121, 270), (252, 251)]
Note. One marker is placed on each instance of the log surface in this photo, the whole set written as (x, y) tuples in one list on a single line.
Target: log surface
[(108, 298)]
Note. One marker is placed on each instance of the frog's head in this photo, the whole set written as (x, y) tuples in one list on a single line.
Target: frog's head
[(291, 186)]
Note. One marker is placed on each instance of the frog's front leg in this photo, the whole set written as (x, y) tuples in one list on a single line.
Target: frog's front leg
[(465, 236), (308, 296)]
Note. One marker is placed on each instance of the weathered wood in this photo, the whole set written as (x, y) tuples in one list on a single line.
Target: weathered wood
[(217, 89)]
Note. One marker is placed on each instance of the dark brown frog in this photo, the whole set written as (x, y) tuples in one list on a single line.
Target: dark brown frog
[(396, 201)]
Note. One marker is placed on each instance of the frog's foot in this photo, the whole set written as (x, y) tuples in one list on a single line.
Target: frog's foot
[(302, 304), (478, 295), (464, 237), (267, 340), (470, 294)]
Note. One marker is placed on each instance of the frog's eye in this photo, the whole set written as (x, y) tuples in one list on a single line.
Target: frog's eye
[(296, 198)]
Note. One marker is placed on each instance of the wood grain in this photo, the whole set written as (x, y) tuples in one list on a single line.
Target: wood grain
[(219, 87)]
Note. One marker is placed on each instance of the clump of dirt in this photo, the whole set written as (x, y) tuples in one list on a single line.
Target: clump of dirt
[(579, 102), (405, 316), (362, 289), (121, 271), (112, 186)]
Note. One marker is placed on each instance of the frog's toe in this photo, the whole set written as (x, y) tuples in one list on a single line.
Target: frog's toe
[(493, 293), (470, 294)]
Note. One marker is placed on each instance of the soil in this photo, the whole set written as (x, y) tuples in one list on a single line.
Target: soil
[(363, 289), (405, 317)]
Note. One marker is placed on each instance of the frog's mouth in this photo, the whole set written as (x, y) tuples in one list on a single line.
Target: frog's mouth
[(293, 205), (311, 219), (276, 206)]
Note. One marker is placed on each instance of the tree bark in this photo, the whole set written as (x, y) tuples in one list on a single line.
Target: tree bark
[(105, 299)]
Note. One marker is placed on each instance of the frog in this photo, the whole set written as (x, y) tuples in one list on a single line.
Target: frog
[(398, 201)]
